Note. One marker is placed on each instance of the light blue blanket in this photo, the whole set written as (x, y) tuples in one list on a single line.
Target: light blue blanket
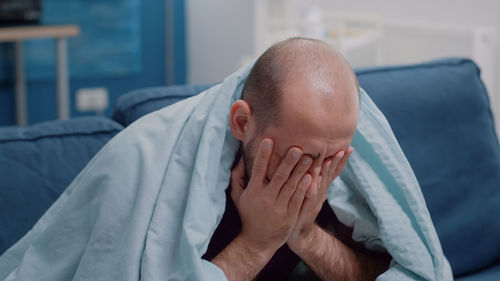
[(147, 204)]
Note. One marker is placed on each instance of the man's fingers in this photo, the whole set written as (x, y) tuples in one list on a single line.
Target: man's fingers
[(237, 181), (290, 186), (337, 158), (343, 161), (324, 174), (283, 171), (261, 161), (298, 197)]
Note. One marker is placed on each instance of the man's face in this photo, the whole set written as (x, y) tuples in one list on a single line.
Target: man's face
[(319, 128)]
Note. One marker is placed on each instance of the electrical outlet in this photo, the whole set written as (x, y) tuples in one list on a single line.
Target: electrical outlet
[(92, 99)]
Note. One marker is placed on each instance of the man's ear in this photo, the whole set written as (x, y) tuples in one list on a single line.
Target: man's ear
[(239, 118)]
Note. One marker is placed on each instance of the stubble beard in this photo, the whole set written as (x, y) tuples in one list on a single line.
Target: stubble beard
[(248, 158)]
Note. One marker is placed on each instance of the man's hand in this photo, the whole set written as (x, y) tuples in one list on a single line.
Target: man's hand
[(303, 231), (327, 256), (269, 208)]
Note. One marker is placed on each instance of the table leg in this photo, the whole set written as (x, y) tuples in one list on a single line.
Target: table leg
[(62, 79), (21, 114)]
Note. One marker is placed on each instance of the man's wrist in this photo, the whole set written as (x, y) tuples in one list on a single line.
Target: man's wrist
[(330, 259), (310, 244), (241, 260), (254, 250)]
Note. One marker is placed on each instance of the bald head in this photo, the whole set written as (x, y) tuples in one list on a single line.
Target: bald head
[(300, 93), (298, 62)]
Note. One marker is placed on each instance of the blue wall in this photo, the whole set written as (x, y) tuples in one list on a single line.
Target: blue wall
[(41, 95)]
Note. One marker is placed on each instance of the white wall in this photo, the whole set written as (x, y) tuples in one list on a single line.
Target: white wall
[(453, 11), (459, 12), (219, 34)]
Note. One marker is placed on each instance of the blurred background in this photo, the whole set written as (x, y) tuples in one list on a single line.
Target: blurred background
[(121, 45), (368, 32), (128, 44)]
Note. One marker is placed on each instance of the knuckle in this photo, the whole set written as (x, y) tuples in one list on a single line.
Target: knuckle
[(302, 187), (280, 176), (268, 202), (259, 169), (289, 186), (279, 212)]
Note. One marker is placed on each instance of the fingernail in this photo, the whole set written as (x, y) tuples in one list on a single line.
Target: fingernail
[(267, 143), (306, 178), (295, 153), (341, 154), (306, 161)]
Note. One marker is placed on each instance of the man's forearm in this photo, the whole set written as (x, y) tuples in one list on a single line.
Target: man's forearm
[(240, 261), (331, 259)]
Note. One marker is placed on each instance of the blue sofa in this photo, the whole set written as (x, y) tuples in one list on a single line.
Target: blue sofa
[(439, 112)]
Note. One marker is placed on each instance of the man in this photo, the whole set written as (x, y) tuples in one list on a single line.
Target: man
[(296, 120), (149, 204)]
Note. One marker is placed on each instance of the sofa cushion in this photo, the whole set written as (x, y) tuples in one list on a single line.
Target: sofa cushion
[(488, 274), (440, 114), (38, 162), (132, 106)]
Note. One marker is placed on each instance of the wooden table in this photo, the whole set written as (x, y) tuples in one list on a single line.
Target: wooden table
[(22, 33)]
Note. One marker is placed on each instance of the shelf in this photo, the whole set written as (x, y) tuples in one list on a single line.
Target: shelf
[(19, 33)]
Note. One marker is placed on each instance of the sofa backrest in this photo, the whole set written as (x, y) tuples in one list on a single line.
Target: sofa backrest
[(440, 114), (37, 163), (132, 106)]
